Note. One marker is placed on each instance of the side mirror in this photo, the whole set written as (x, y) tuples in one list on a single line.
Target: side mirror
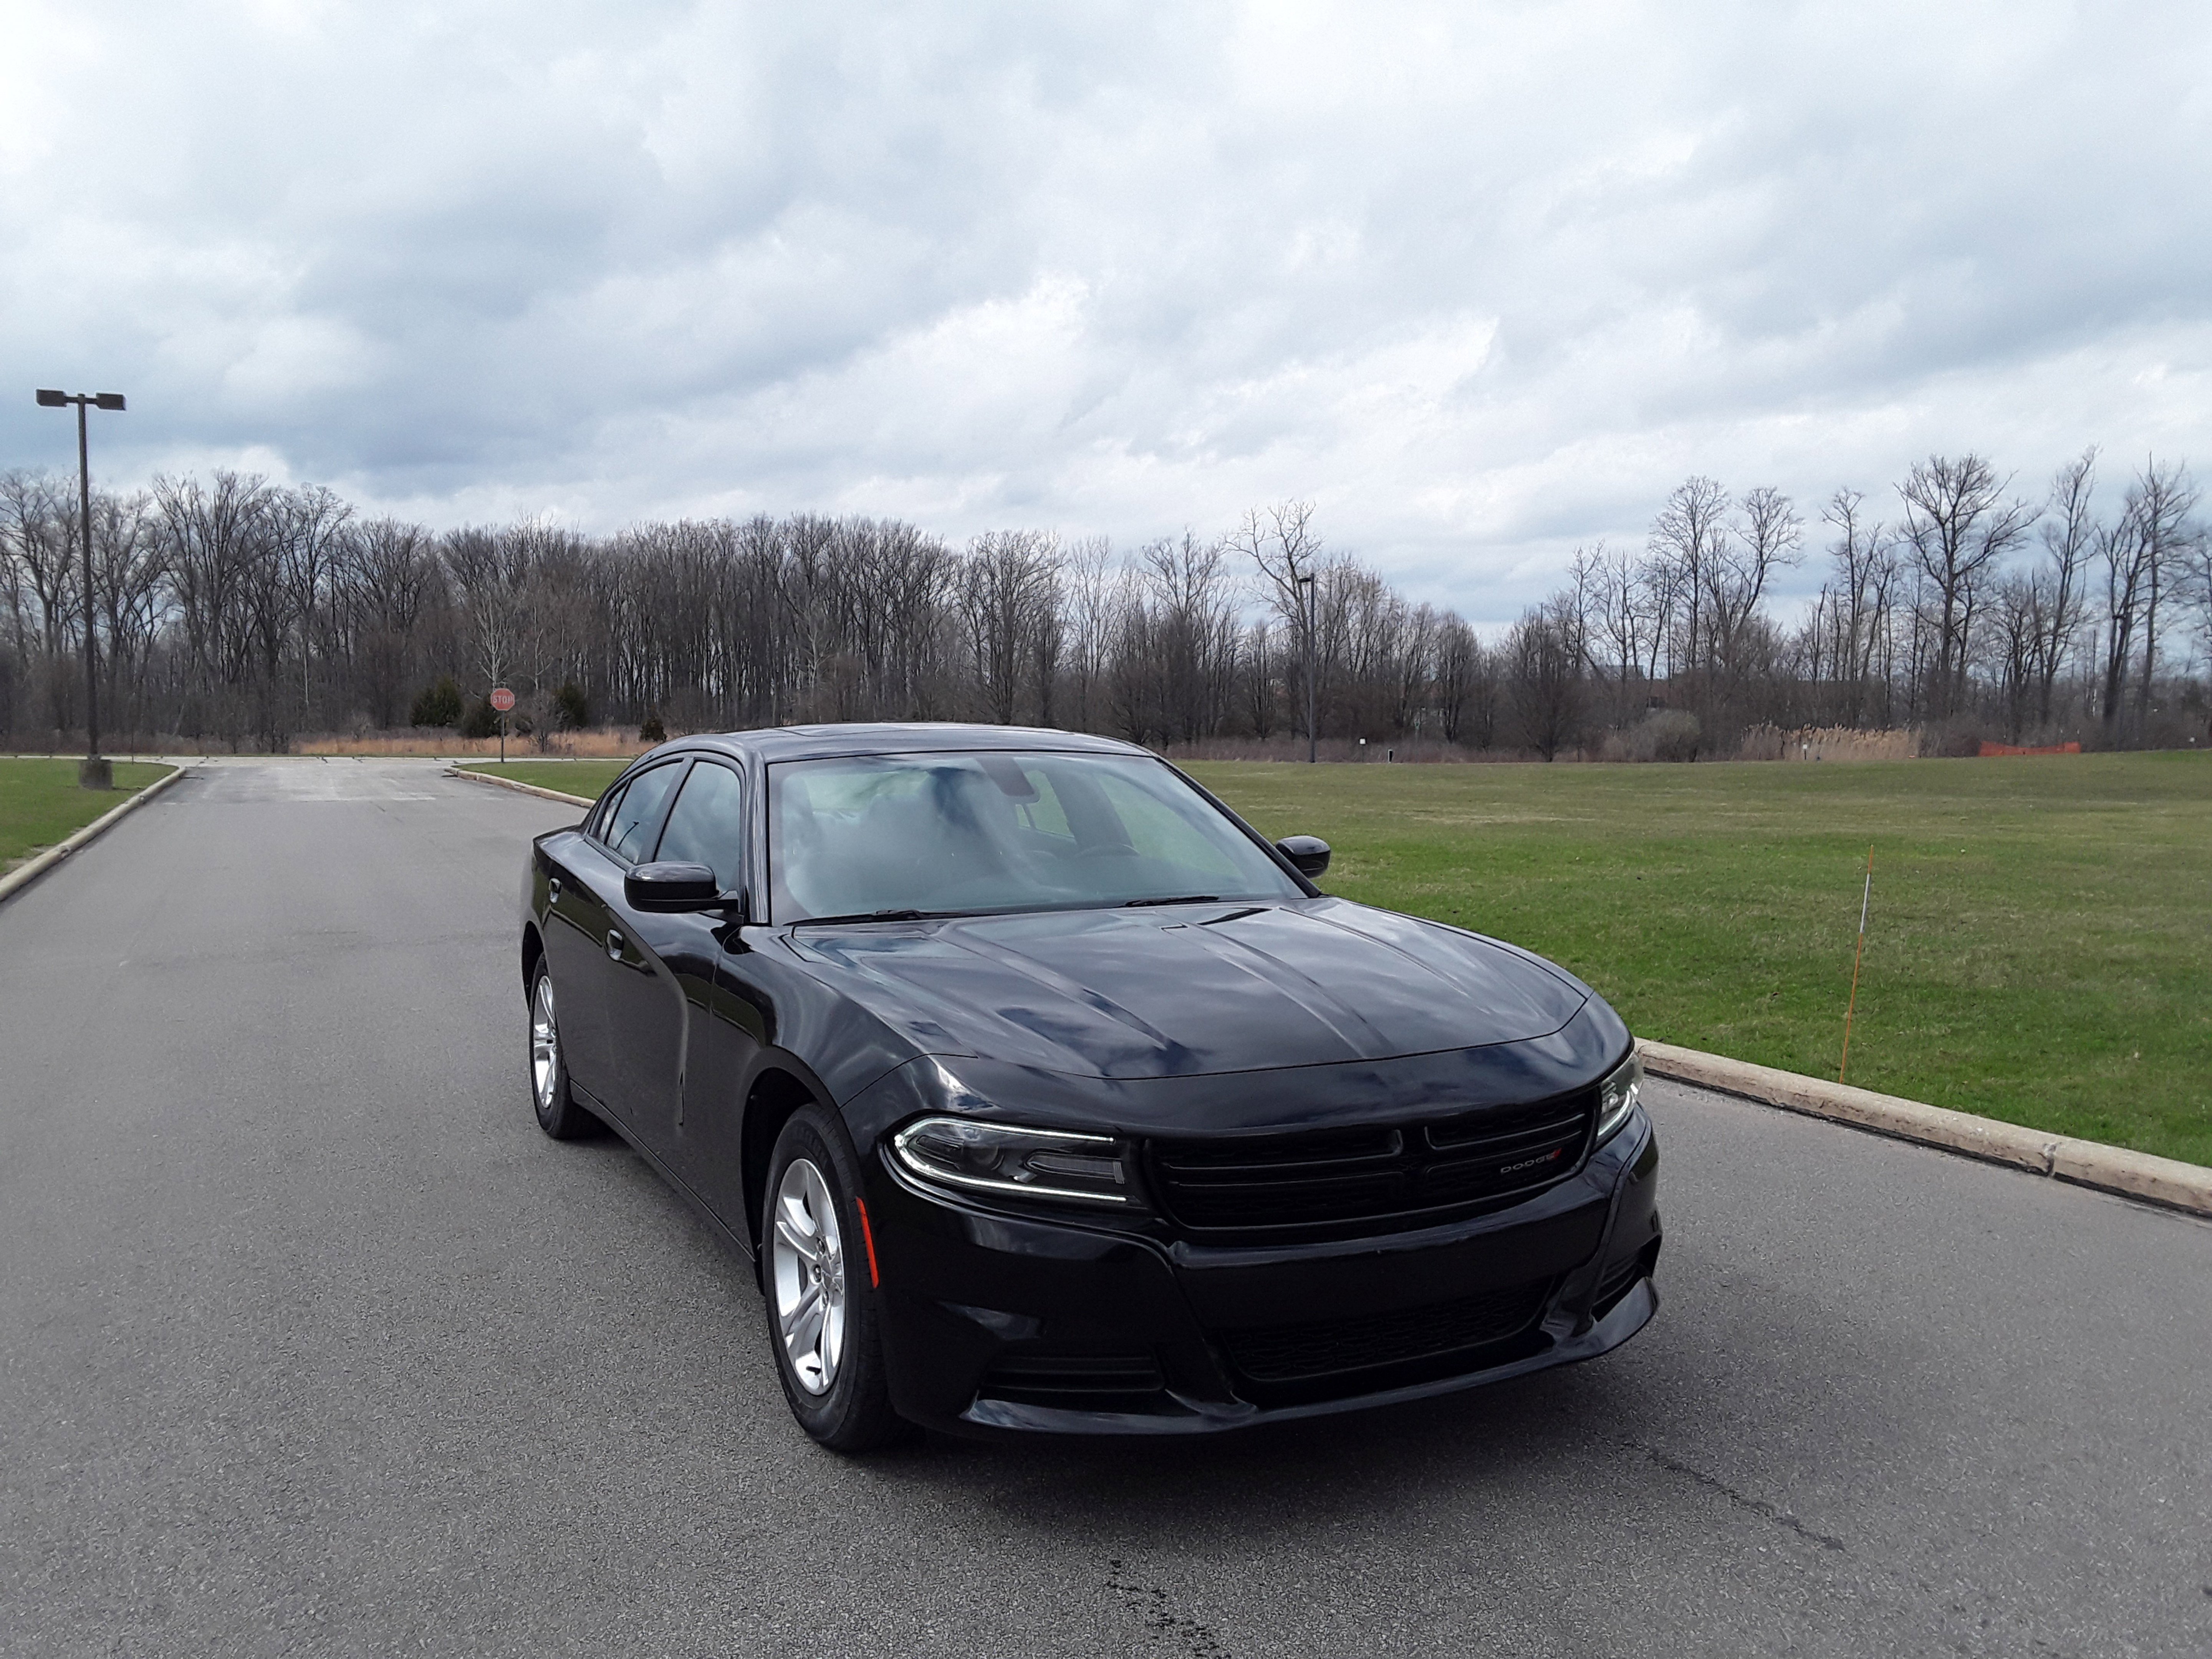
[(671, 887), (1308, 855)]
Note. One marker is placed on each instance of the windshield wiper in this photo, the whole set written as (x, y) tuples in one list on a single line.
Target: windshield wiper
[(1181, 898), (883, 916)]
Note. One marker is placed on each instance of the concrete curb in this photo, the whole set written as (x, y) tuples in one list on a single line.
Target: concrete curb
[(24, 875), (2164, 1180), (517, 787)]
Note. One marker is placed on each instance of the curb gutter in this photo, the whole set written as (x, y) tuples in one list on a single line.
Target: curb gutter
[(2164, 1180), (24, 875), (517, 787)]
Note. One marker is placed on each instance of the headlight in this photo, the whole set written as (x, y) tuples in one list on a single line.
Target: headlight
[(969, 1155), (1616, 1097)]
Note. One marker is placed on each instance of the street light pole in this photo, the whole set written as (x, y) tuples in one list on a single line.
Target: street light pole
[(1306, 591), (95, 773)]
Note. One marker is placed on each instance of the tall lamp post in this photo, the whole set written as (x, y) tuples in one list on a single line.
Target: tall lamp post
[(1306, 592), (95, 773)]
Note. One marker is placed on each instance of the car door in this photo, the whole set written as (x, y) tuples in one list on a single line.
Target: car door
[(636, 1003), (577, 871), (729, 1010), (662, 1040)]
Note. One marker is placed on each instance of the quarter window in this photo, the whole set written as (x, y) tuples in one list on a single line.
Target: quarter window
[(630, 825), (603, 815)]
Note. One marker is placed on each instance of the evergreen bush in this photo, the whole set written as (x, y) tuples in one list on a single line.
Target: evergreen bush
[(438, 704)]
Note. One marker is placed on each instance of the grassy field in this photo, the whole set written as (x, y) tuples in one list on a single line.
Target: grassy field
[(40, 803), (2040, 945)]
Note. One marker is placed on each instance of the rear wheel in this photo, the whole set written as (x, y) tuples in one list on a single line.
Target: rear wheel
[(558, 1114), (823, 1312)]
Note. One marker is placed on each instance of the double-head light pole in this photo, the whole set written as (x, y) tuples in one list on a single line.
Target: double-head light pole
[(1306, 594), (95, 773)]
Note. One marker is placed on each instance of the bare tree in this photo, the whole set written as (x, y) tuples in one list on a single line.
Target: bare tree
[(1194, 641), (1863, 562), (2150, 541), (1768, 539), (1544, 681), (1008, 590), (307, 525), (1958, 528), (2060, 589), (34, 530), (1284, 543), (2164, 497), (1688, 538), (1088, 581), (217, 544), (1620, 619)]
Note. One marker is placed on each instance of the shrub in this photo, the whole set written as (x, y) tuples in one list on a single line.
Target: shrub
[(1664, 734), (1959, 737), (439, 704), (650, 730), (483, 721), (572, 710)]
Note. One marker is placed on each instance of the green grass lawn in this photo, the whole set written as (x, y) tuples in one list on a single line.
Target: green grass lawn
[(581, 777), (40, 803), (2040, 946)]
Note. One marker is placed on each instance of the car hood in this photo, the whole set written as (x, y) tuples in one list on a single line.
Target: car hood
[(1190, 989)]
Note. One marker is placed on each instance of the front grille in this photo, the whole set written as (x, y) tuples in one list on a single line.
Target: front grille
[(1292, 1353), (1075, 1382), (1401, 1174)]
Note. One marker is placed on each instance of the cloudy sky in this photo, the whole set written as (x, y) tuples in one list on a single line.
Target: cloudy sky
[(1481, 281)]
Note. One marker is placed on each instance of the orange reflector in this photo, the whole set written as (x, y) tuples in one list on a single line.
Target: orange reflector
[(868, 1237)]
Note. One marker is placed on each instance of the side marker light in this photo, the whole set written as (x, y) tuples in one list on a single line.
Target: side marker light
[(868, 1238)]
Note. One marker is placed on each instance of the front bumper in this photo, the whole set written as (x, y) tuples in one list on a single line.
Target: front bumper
[(996, 1323)]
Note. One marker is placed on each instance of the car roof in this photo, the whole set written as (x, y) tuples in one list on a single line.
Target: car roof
[(789, 742)]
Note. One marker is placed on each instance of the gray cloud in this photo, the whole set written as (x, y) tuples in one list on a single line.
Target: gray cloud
[(1483, 281)]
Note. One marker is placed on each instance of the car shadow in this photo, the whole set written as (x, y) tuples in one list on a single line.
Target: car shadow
[(1668, 1410)]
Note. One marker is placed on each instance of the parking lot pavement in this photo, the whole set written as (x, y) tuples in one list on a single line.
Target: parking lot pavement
[(311, 1343)]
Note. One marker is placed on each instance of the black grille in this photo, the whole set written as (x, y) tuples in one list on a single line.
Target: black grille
[(1076, 1382), (1286, 1353), (1402, 1173)]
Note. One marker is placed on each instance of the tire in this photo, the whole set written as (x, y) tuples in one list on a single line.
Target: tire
[(815, 1272), (558, 1114)]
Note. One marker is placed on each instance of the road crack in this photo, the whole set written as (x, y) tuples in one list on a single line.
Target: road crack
[(1758, 1506), (1150, 1603)]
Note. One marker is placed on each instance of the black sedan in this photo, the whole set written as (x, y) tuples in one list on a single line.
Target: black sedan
[(1046, 1094)]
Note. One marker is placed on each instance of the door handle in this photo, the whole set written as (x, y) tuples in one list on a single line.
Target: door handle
[(553, 887), (614, 945)]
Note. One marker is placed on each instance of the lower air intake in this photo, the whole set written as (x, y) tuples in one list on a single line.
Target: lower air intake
[(1343, 1347), (1076, 1382)]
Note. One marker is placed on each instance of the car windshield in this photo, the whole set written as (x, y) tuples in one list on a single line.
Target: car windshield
[(993, 832)]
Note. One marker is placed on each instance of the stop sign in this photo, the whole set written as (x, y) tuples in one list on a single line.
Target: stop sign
[(501, 698)]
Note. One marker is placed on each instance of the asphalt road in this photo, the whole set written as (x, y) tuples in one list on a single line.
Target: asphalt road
[(311, 1343)]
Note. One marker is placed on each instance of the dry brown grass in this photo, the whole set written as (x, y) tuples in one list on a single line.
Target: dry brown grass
[(1829, 743), (603, 742)]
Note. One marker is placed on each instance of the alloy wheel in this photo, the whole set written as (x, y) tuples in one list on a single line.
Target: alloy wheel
[(545, 1045), (810, 1276)]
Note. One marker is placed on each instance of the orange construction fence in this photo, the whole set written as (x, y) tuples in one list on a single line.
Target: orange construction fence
[(1989, 748)]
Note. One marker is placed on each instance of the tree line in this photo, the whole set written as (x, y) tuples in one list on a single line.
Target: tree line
[(232, 609)]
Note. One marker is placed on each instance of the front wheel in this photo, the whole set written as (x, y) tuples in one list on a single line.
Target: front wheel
[(558, 1114), (823, 1318)]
